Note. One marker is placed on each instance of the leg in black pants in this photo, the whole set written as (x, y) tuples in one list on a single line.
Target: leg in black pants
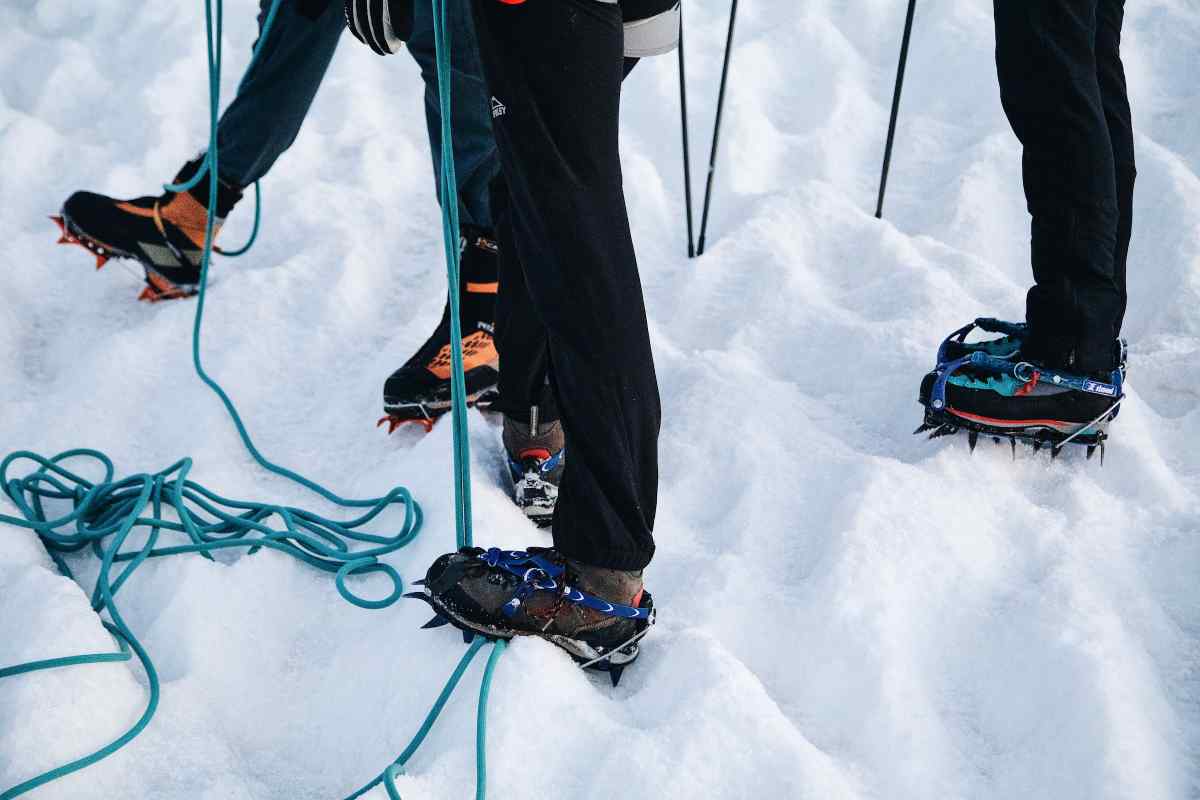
[(1109, 17), (1063, 89), (555, 68)]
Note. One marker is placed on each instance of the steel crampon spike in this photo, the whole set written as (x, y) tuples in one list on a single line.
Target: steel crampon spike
[(924, 426), (614, 674), (1037, 445), (393, 423), (1012, 442), (468, 637), (437, 622), (944, 430), (416, 596), (973, 440), (1091, 451), (1055, 449)]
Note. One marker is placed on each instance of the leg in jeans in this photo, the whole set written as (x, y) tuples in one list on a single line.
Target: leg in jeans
[(1049, 85), (556, 68), (1109, 17), (475, 162), (271, 103)]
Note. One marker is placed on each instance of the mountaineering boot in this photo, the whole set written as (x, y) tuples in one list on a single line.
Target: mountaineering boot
[(536, 459), (165, 234), (420, 390), (597, 615), (999, 397)]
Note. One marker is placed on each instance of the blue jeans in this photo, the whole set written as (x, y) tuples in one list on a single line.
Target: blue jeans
[(263, 120)]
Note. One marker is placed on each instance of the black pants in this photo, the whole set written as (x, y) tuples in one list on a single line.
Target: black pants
[(568, 274), (1063, 88)]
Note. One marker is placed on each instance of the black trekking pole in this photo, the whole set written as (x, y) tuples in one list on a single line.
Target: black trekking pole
[(712, 159), (687, 150), (891, 137)]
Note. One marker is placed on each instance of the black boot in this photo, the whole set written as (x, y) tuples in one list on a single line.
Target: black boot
[(996, 397), (165, 234), (420, 390)]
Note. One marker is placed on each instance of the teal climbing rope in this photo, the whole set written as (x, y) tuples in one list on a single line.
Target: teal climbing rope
[(103, 514), (448, 196)]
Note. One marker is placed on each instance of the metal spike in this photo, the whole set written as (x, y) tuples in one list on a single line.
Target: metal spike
[(1037, 446), (417, 596), (468, 637), (614, 674), (1054, 451), (437, 622), (943, 430), (1102, 454), (1012, 441), (419, 583), (1091, 451), (101, 260), (972, 440), (924, 426), (996, 439)]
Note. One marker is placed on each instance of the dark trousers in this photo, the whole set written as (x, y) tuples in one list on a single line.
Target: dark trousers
[(569, 275), (1063, 88), (273, 99)]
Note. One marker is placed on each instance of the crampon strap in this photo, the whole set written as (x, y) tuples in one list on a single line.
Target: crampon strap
[(1025, 372), (1015, 330), (540, 574)]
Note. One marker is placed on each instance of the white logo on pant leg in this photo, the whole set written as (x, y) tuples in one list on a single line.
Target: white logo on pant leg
[(498, 109)]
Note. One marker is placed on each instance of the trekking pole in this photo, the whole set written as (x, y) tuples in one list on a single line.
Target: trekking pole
[(891, 137), (687, 150), (712, 160)]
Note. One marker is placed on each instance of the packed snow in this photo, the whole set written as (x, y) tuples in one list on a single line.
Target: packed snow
[(846, 611)]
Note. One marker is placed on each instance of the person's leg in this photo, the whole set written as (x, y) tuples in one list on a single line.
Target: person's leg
[(1046, 61), (475, 161), (1115, 96), (420, 390), (571, 234), (274, 98)]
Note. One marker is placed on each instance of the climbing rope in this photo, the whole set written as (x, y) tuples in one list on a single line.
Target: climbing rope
[(103, 514)]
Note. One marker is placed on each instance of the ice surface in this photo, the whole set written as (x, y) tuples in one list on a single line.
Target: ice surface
[(845, 611)]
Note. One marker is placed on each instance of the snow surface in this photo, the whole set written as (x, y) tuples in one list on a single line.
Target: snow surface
[(846, 611)]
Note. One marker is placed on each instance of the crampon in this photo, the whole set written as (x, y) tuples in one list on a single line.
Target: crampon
[(607, 640), (426, 414), (985, 390), (158, 287)]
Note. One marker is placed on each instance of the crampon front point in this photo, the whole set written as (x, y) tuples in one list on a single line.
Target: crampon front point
[(157, 287)]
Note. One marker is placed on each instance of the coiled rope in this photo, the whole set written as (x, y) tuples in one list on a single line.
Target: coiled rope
[(103, 514)]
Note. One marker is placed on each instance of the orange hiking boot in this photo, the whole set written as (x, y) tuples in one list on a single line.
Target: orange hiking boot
[(419, 392), (165, 234)]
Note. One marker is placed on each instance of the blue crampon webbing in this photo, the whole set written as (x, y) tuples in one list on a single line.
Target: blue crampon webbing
[(104, 513)]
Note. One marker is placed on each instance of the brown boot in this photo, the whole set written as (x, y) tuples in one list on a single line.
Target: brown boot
[(597, 615)]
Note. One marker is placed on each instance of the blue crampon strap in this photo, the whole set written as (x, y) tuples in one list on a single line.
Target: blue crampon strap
[(540, 574), (1022, 371), (1011, 330)]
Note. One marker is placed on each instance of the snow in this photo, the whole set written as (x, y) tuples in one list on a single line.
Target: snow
[(846, 611)]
